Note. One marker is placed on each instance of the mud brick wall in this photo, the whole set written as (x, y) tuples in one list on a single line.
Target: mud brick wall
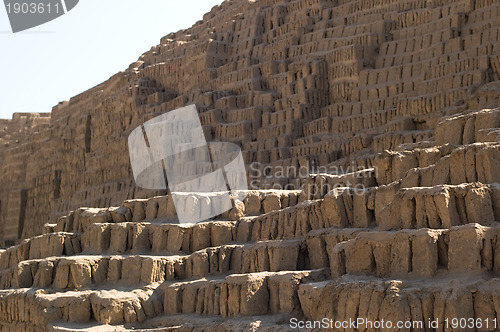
[(290, 81)]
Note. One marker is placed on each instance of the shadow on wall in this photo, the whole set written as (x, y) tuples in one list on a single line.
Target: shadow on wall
[(22, 212)]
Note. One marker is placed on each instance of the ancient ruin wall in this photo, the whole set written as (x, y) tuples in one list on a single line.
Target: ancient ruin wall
[(310, 81)]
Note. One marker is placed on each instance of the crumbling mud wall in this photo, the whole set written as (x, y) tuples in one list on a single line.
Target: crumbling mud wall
[(295, 83), (370, 130)]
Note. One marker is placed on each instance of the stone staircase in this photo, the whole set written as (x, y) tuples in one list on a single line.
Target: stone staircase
[(117, 266), (391, 250), (414, 238)]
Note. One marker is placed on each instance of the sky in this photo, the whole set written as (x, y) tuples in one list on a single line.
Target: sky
[(98, 38)]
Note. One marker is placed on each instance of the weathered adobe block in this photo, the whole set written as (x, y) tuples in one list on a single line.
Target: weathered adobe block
[(416, 253)]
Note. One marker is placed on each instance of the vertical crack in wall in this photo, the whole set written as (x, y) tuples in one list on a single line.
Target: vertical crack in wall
[(22, 212), (57, 184), (88, 134)]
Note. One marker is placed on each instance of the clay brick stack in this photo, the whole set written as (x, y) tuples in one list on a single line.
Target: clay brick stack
[(398, 98)]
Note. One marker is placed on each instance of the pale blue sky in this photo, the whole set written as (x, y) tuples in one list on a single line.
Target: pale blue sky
[(98, 38)]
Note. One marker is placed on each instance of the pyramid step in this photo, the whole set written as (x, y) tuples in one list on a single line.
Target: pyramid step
[(81, 272), (451, 205), (118, 238), (118, 307), (431, 166), (234, 295), (282, 255), (393, 207), (419, 301), (441, 206), (238, 294), (47, 245), (40, 307), (162, 208), (386, 253), (316, 186), (468, 128), (84, 271), (417, 253)]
